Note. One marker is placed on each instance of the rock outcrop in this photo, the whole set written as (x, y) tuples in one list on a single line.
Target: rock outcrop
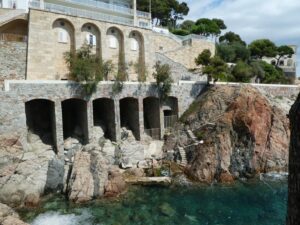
[(293, 217), (243, 135), (9, 217), (89, 175), (24, 170)]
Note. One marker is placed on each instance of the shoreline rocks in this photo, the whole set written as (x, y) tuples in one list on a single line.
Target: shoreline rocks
[(243, 134)]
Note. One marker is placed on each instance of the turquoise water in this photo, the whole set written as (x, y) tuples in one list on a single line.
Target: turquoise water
[(239, 204)]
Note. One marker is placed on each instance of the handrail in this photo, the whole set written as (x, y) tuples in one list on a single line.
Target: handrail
[(103, 5), (80, 13)]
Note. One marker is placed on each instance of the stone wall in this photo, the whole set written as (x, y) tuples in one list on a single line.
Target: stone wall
[(45, 52), (17, 93), (43, 43), (186, 54), (12, 60), (276, 90)]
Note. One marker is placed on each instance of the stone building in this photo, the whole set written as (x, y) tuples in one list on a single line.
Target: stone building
[(33, 40), (287, 64)]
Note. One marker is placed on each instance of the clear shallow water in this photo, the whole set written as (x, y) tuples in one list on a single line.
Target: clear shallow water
[(240, 204)]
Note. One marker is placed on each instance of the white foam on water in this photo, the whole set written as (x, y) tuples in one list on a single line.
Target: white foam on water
[(56, 218)]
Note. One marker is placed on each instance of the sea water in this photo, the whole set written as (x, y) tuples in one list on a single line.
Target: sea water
[(244, 203)]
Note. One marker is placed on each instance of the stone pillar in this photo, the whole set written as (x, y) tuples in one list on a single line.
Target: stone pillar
[(90, 120), (117, 119), (42, 4), (135, 13), (141, 118), (162, 120), (59, 134)]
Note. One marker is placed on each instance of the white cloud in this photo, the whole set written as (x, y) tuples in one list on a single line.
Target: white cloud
[(277, 20)]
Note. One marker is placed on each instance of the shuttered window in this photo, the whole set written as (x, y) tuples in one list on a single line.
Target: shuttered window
[(62, 36)]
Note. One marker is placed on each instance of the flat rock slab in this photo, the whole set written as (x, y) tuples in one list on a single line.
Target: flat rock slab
[(148, 181)]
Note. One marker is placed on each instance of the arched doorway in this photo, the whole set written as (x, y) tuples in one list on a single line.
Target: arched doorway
[(152, 126)]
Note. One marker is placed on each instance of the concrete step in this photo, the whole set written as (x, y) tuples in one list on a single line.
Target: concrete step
[(191, 134), (182, 152)]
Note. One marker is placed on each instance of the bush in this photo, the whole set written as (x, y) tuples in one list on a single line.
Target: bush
[(180, 32), (87, 68), (242, 72), (163, 79)]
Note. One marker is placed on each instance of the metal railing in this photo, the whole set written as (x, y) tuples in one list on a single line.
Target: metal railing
[(103, 5), (13, 37), (143, 14), (170, 121), (154, 133), (80, 13)]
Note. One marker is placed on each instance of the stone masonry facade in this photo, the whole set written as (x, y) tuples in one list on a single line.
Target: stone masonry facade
[(45, 52), (12, 60), (17, 93)]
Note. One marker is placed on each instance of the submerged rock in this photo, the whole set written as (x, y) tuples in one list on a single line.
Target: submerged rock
[(167, 210)]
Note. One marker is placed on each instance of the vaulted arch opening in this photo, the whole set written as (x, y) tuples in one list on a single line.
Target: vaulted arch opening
[(129, 112), (137, 54), (151, 107), (170, 111), (63, 41), (75, 122), (116, 52), (40, 119), (91, 36), (104, 116)]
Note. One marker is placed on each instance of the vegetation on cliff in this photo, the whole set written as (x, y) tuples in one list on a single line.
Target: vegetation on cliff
[(87, 68)]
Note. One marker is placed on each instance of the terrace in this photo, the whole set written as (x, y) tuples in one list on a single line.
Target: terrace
[(97, 10)]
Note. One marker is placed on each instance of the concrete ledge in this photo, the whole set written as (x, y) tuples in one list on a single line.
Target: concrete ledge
[(63, 82), (150, 181), (255, 85)]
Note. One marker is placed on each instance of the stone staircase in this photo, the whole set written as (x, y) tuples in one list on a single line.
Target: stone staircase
[(182, 152), (178, 71), (11, 15)]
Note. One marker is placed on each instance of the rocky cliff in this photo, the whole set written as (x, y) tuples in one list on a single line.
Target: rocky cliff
[(293, 217), (243, 134)]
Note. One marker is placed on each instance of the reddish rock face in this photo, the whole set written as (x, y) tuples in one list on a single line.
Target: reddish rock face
[(293, 217), (243, 134)]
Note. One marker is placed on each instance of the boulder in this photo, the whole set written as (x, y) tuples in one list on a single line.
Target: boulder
[(243, 134), (9, 217), (24, 171), (116, 184), (88, 177)]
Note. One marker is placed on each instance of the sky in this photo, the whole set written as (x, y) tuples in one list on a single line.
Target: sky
[(277, 20)]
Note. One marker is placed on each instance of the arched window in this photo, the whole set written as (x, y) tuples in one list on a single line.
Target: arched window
[(281, 63), (63, 36), (273, 62), (113, 42), (290, 62), (134, 44)]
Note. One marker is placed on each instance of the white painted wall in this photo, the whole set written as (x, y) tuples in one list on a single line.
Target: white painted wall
[(20, 4)]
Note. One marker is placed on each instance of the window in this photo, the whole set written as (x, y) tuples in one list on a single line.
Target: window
[(281, 63), (113, 42), (62, 36), (91, 39), (273, 62), (134, 44), (143, 24)]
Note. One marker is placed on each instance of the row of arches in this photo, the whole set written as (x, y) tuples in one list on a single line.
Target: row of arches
[(41, 117), (115, 44)]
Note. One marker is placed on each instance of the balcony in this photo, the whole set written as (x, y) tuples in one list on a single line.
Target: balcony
[(103, 5), (80, 13)]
